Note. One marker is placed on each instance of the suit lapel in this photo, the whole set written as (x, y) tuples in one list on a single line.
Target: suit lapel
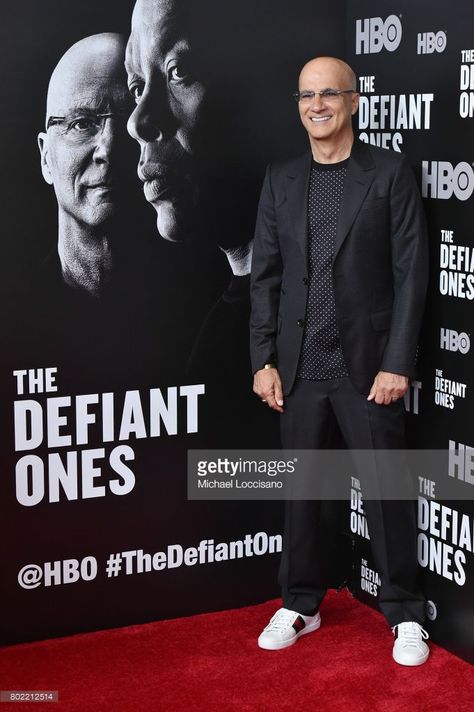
[(360, 174), (297, 185)]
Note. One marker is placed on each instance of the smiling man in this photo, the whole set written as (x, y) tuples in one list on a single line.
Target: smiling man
[(339, 278), (85, 156)]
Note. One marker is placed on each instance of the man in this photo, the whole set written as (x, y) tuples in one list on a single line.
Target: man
[(85, 156), (171, 67), (338, 285), (91, 294), (192, 177)]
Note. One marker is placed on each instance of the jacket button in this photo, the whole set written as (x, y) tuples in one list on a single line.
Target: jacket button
[(300, 322), (305, 281)]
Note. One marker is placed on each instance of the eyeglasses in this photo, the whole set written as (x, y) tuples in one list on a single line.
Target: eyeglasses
[(81, 127), (306, 97)]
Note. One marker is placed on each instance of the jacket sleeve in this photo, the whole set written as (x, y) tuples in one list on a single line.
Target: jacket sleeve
[(409, 242), (265, 280)]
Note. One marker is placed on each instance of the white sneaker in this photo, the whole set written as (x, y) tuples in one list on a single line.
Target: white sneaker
[(285, 628), (409, 647)]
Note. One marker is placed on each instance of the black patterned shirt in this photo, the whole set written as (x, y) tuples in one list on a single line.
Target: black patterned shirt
[(321, 355)]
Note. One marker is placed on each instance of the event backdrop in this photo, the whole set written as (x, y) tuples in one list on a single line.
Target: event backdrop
[(415, 63), (106, 383), (103, 393)]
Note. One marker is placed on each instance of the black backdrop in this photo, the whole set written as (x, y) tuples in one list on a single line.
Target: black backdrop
[(425, 43), (137, 338), (141, 339)]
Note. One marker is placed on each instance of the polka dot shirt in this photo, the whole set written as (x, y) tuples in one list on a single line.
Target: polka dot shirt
[(321, 355)]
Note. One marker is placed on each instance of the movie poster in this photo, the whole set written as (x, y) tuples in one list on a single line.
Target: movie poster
[(134, 151)]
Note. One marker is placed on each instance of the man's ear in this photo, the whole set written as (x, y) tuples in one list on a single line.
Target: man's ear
[(355, 103), (43, 149)]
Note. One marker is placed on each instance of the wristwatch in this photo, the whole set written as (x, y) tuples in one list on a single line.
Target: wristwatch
[(270, 365)]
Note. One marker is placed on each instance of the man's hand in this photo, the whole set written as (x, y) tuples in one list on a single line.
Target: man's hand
[(388, 387), (267, 385)]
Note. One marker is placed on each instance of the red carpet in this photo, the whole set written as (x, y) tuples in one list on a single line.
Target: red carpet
[(211, 663)]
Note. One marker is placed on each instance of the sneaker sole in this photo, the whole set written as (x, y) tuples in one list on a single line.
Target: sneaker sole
[(279, 645), (399, 659)]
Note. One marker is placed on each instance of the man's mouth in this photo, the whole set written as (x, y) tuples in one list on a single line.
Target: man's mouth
[(320, 119), (157, 188), (105, 185)]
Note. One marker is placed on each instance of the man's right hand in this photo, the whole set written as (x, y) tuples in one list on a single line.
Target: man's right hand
[(267, 385)]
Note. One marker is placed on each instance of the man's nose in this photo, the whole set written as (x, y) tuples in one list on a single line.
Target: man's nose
[(106, 139), (317, 101), (152, 119)]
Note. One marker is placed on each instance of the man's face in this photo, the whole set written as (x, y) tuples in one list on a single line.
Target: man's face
[(83, 154), (165, 81), (327, 119)]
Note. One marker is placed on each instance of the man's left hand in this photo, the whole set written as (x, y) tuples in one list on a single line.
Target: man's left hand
[(388, 388)]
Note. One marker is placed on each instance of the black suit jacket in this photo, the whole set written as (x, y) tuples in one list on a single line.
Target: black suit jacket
[(380, 266)]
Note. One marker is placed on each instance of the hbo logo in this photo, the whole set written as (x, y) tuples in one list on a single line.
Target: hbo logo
[(450, 340), (374, 34), (429, 42), (441, 179)]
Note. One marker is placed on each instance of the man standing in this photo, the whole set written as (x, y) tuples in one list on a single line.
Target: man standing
[(86, 157), (338, 284)]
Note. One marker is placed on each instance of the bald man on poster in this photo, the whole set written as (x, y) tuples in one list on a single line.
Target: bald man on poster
[(338, 284), (86, 156)]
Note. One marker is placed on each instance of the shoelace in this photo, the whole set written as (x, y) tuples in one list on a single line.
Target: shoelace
[(410, 634), (281, 620)]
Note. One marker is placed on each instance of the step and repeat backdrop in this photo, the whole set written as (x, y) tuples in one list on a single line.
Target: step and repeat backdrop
[(136, 138), (125, 299), (415, 63)]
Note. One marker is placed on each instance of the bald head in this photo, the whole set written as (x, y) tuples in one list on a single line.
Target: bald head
[(84, 149), (328, 99), (94, 65), (341, 71)]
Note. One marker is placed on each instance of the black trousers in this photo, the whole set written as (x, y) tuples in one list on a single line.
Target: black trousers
[(312, 411)]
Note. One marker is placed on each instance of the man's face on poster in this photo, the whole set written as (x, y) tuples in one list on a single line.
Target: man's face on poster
[(84, 151), (166, 82)]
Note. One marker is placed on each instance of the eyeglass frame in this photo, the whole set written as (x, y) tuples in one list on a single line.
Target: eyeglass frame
[(58, 120), (336, 93)]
